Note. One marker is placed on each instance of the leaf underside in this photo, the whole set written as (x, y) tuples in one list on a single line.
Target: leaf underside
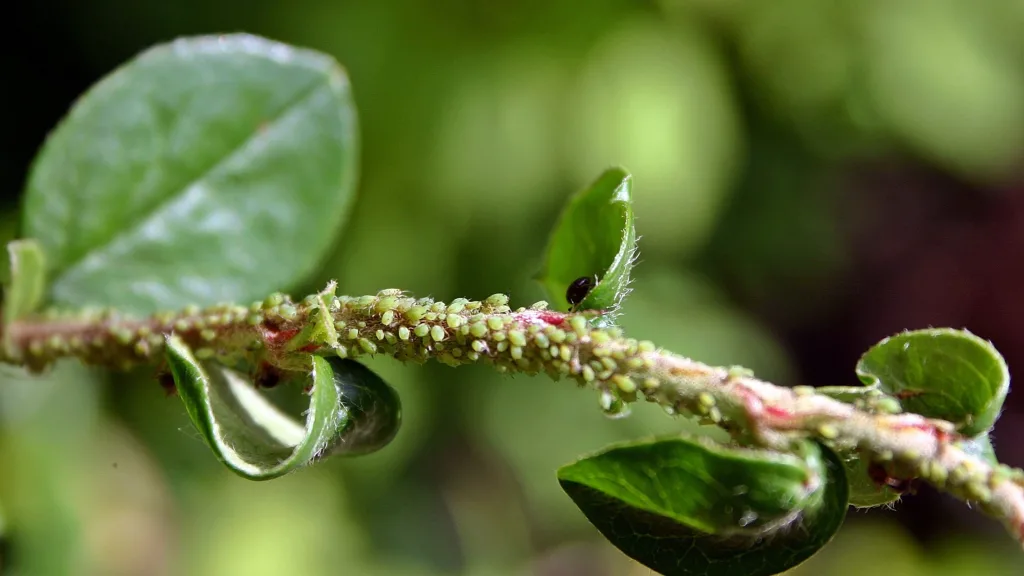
[(686, 508)]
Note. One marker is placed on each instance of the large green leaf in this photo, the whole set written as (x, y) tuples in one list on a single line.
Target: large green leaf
[(940, 373), (685, 507), (594, 238), (351, 411), (209, 169)]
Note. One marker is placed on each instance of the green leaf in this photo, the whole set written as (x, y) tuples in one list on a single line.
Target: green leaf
[(940, 373), (594, 237), (351, 411), (24, 292), (27, 285), (320, 330), (685, 507), (864, 491), (208, 169), (981, 447)]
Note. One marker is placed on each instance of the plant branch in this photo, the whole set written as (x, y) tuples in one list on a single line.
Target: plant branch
[(281, 333)]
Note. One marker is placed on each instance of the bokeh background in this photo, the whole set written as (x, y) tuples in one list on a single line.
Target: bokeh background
[(810, 176)]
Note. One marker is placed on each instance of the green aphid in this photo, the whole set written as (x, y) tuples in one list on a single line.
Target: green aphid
[(478, 329), (496, 300), (415, 314), (386, 304), (367, 346)]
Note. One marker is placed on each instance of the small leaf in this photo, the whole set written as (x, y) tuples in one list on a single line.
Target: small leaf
[(27, 285), (864, 491), (848, 394), (940, 373), (208, 169), (684, 507), (981, 447), (320, 330), (594, 237), (24, 292), (352, 411)]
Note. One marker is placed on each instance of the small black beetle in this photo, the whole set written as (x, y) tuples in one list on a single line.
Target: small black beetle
[(579, 289)]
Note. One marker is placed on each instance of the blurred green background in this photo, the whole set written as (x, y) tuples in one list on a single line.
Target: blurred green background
[(810, 176)]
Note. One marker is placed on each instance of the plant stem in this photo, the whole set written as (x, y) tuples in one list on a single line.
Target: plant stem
[(532, 340)]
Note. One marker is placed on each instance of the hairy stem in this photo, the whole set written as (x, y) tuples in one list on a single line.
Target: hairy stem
[(280, 333)]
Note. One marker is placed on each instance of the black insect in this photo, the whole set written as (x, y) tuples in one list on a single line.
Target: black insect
[(579, 289), (880, 476), (166, 381), (267, 376)]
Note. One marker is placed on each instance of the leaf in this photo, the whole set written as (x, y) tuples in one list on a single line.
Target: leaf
[(24, 293), (981, 447), (684, 507), (208, 169), (320, 330), (594, 237), (865, 492), (351, 412), (940, 373), (27, 285)]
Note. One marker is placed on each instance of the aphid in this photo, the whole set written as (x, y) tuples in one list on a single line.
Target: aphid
[(579, 288)]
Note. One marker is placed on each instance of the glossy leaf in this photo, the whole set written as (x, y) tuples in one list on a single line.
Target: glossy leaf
[(594, 238), (24, 293), (940, 373), (351, 412), (209, 169), (687, 507)]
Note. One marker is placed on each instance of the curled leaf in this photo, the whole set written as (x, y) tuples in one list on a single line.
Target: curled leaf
[(940, 373), (594, 239), (689, 507), (373, 409), (351, 411)]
